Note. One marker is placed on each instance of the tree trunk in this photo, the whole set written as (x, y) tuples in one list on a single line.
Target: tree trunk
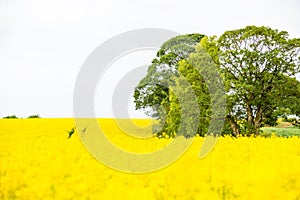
[(250, 117), (233, 125), (258, 119), (250, 120)]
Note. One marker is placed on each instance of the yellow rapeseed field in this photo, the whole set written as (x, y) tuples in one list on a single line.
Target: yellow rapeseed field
[(38, 161)]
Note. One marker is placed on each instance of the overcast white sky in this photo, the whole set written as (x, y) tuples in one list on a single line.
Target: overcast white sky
[(43, 43)]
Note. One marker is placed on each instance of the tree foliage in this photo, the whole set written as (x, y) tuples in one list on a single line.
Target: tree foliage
[(34, 116), (10, 117), (256, 64), (189, 102), (152, 93)]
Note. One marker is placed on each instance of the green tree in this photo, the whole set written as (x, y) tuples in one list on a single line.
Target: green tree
[(258, 65), (10, 117), (33, 116), (152, 93), (189, 102), (191, 93)]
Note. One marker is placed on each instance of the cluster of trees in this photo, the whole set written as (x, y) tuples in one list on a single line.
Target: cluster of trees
[(256, 66), (15, 117)]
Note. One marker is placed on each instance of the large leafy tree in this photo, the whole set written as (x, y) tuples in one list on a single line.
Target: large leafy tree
[(258, 65), (179, 88), (152, 93), (189, 102)]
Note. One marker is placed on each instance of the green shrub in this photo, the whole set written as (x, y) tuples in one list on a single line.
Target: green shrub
[(10, 117), (33, 116)]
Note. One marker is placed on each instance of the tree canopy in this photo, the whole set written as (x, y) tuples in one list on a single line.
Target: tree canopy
[(152, 92), (257, 66)]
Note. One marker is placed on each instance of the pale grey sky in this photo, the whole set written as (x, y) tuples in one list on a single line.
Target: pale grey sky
[(43, 43)]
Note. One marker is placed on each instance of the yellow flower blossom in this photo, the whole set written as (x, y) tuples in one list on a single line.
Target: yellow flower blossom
[(38, 161)]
